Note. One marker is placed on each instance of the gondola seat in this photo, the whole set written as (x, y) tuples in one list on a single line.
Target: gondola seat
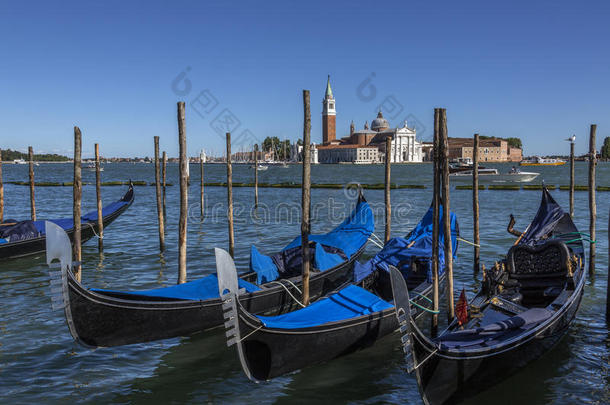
[(541, 272)]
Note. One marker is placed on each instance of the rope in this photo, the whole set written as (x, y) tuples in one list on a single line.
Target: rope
[(424, 308), (293, 285), (93, 229), (374, 242), (423, 296), (379, 240), (426, 359), (289, 293), (467, 241), (581, 239), (251, 333)]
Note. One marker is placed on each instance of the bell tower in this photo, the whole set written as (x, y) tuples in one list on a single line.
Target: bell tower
[(329, 115)]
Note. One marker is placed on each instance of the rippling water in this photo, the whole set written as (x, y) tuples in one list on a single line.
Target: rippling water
[(39, 362)]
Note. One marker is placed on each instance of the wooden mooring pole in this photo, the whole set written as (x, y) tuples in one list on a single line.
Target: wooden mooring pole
[(572, 179), (435, 223), (159, 194), (230, 197), (77, 191), (592, 203), (306, 195), (255, 176), (608, 273), (164, 177), (183, 194), (1, 191), (447, 215), (201, 200), (32, 202), (388, 205), (475, 203), (98, 196)]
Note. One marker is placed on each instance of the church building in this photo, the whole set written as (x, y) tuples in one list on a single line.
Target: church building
[(366, 145)]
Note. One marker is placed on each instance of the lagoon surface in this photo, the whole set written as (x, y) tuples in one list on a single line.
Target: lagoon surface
[(40, 363)]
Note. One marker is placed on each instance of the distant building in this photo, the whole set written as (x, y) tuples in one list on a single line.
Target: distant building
[(490, 150), (296, 153), (349, 154), (366, 145)]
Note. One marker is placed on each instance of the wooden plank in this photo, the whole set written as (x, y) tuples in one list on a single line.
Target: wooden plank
[(592, 202), (306, 196), (182, 225), (32, 199), (447, 215), (388, 204), (435, 223), (475, 202), (230, 197), (98, 196), (77, 191), (159, 195)]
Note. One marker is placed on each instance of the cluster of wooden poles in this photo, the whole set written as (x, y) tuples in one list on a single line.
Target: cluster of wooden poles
[(440, 199)]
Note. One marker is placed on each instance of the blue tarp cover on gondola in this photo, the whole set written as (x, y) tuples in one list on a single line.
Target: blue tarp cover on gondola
[(202, 289), (91, 216), (350, 302), (496, 332), (330, 249), (400, 252)]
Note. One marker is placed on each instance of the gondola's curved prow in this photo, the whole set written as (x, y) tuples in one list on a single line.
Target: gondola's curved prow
[(489, 349), (229, 292), (59, 248)]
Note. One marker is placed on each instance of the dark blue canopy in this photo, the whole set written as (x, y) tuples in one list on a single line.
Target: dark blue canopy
[(331, 249), (202, 289), (401, 252), (350, 302), (32, 229)]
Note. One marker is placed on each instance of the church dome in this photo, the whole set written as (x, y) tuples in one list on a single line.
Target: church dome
[(380, 123)]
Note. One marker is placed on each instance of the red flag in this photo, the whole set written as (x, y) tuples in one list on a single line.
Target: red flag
[(461, 309)]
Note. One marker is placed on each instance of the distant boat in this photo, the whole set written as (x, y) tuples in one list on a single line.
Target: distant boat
[(493, 176), (539, 161), (261, 168), (91, 166), (19, 162)]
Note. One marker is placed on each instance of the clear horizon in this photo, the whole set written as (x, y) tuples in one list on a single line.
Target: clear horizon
[(537, 71)]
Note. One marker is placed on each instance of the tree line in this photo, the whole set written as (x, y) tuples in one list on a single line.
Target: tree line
[(10, 155)]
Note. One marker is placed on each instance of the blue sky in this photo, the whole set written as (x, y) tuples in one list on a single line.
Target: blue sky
[(539, 71)]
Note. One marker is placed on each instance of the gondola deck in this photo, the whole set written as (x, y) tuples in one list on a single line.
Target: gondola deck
[(525, 306), (37, 244), (349, 319), (109, 318)]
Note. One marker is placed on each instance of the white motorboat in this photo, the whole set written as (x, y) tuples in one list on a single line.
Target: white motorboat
[(493, 176)]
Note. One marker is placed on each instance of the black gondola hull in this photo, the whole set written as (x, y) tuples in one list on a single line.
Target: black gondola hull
[(38, 245), (449, 380), (274, 352), (270, 353), (113, 319)]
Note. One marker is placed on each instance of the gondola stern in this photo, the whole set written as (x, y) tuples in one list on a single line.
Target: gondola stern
[(58, 247), (228, 289)]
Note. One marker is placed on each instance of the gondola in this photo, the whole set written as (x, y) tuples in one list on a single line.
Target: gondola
[(352, 318), (110, 318), (28, 237), (525, 305)]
